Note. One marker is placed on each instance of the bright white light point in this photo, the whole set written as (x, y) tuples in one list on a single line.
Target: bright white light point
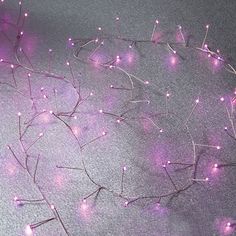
[(164, 166), (126, 203), (29, 74), (167, 94), (44, 96), (168, 162), (207, 26), (15, 199), (197, 101), (12, 66), (225, 128), (102, 43), (124, 168), (215, 165), (91, 94), (67, 63), (50, 112), (100, 111), (118, 120), (19, 114), (206, 179), (75, 117), (42, 88), (228, 224), (117, 18), (110, 66), (50, 50), (99, 28), (2, 0), (218, 147), (146, 82), (28, 230), (209, 55), (222, 99), (180, 27), (111, 86), (26, 14), (161, 130), (104, 133), (22, 32), (157, 22), (96, 40), (19, 2), (40, 134), (52, 207), (130, 46), (174, 52), (1, 60)]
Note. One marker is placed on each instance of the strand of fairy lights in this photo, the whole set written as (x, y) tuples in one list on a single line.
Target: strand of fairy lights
[(99, 42)]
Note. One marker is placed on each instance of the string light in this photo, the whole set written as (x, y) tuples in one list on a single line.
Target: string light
[(64, 117)]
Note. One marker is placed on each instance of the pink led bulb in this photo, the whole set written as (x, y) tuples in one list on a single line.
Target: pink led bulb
[(118, 59), (28, 230), (26, 14), (218, 147), (197, 101), (228, 224), (222, 99)]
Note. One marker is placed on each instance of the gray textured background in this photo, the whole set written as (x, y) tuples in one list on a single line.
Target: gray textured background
[(193, 213)]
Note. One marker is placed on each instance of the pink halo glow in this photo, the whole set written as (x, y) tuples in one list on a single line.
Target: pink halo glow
[(85, 210)]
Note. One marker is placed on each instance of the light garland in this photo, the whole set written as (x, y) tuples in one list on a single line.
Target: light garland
[(64, 117)]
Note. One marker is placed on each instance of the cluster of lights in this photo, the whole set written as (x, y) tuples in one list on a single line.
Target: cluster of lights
[(113, 64)]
